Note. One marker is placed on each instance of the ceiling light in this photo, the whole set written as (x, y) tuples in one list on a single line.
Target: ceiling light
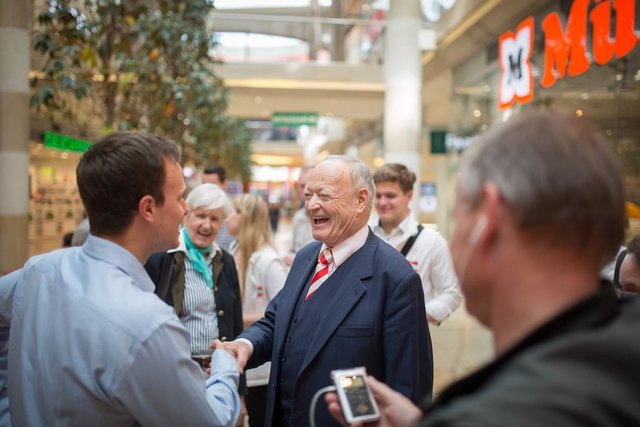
[(579, 113), (477, 113)]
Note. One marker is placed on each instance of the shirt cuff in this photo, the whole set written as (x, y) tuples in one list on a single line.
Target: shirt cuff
[(222, 363), (437, 310)]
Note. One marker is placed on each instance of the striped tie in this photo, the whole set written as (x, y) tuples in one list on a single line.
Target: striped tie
[(322, 271)]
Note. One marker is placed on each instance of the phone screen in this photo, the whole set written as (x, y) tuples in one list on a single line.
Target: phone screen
[(356, 392)]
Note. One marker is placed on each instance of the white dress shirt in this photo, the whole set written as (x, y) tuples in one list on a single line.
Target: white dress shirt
[(431, 259), (91, 344)]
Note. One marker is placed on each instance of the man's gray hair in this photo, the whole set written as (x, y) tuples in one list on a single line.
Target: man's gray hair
[(209, 196), (361, 175), (558, 176)]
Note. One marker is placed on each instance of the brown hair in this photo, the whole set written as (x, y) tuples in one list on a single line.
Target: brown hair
[(395, 172), (116, 172)]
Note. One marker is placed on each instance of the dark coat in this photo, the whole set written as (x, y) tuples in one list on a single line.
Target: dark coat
[(166, 270), (375, 318), (578, 369)]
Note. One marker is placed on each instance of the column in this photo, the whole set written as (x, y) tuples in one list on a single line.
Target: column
[(403, 80), (15, 18)]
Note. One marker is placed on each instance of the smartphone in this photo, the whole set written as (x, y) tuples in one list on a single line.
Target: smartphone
[(355, 395)]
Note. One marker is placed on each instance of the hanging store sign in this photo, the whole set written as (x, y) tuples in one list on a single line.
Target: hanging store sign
[(565, 51), (294, 119), (65, 143)]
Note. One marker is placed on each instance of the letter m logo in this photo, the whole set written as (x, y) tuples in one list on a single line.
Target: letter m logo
[(514, 54)]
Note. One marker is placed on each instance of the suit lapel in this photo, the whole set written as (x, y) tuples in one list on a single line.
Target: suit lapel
[(347, 281)]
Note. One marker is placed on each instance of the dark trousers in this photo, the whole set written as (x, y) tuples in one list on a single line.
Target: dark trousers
[(256, 400)]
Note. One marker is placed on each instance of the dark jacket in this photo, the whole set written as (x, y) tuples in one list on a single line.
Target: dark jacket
[(374, 316), (578, 369), (167, 273)]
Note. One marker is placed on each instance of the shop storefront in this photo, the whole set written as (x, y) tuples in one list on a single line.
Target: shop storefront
[(580, 57)]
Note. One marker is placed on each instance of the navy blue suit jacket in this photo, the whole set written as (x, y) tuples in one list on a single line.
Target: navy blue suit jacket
[(377, 320)]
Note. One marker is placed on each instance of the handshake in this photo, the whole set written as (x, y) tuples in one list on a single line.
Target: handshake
[(239, 349), (395, 409)]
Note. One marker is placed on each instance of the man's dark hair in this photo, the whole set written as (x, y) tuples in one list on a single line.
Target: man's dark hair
[(116, 172), (216, 170), (633, 248), (395, 172)]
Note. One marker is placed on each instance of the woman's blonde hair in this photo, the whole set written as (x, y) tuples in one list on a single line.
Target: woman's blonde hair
[(255, 230)]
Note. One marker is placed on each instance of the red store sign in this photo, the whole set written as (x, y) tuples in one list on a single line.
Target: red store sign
[(565, 51)]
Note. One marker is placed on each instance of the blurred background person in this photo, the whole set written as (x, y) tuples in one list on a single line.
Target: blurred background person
[(274, 212), (215, 174), (627, 275), (199, 279), (66, 239), (301, 227), (425, 249), (262, 274), (81, 233)]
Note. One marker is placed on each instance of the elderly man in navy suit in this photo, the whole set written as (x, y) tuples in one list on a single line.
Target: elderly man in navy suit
[(349, 300)]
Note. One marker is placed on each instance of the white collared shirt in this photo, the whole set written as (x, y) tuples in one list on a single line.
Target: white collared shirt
[(343, 250), (430, 258)]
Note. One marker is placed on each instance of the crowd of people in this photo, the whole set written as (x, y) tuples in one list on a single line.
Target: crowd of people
[(178, 308)]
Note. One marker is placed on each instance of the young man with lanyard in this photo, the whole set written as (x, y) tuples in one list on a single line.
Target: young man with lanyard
[(424, 248)]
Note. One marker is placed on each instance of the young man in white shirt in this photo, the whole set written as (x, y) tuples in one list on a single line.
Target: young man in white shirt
[(424, 248)]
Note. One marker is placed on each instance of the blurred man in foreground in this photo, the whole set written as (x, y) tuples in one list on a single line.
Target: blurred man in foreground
[(539, 210), (90, 343)]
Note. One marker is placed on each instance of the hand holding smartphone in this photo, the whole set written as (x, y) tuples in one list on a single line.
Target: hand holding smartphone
[(355, 395)]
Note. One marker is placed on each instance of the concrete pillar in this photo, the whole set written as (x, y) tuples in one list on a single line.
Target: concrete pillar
[(403, 80), (15, 18)]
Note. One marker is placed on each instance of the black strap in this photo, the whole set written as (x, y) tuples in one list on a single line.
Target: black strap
[(616, 270), (407, 246)]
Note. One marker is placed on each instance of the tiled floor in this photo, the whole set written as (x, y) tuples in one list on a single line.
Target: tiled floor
[(460, 344)]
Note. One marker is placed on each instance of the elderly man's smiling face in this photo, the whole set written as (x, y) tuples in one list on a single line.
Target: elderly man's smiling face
[(331, 202)]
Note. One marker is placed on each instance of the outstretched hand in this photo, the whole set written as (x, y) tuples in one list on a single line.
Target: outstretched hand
[(238, 349)]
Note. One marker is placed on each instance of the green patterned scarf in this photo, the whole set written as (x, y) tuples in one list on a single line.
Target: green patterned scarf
[(197, 258)]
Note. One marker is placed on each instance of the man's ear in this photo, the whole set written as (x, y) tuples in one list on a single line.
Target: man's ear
[(493, 215), (362, 197), (410, 195), (147, 208)]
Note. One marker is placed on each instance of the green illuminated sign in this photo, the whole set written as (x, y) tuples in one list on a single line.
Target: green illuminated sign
[(294, 119), (65, 143)]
